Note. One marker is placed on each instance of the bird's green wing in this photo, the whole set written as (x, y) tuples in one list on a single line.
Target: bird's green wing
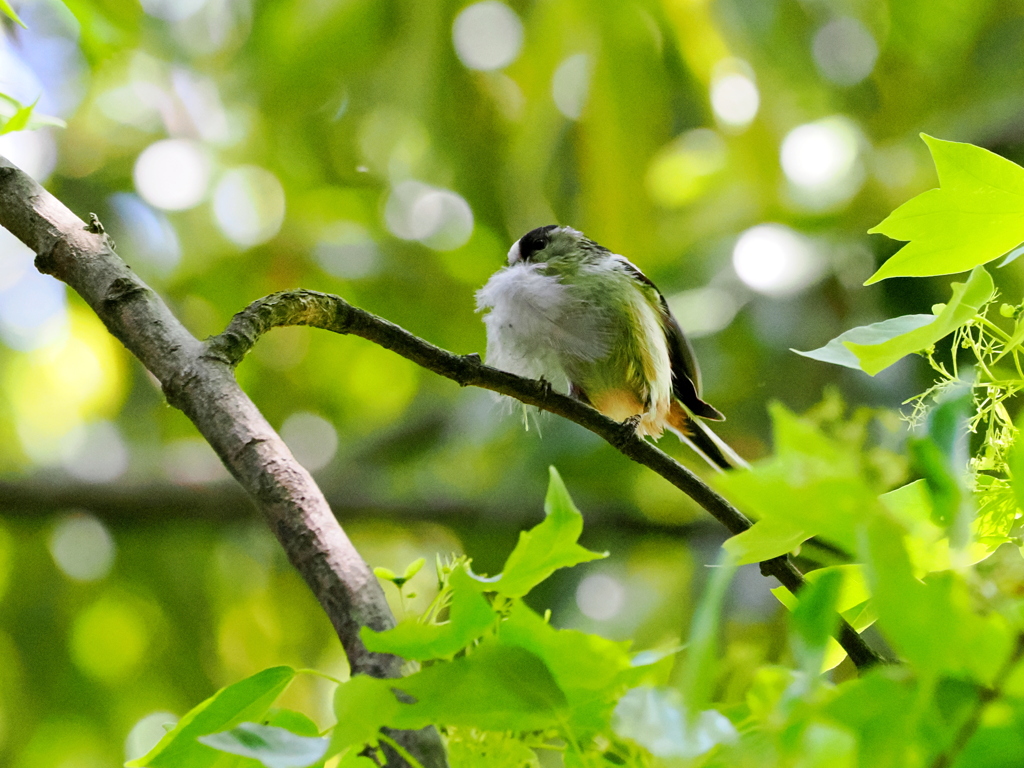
[(686, 384)]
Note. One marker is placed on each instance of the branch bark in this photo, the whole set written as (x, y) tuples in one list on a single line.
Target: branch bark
[(332, 313), (203, 386)]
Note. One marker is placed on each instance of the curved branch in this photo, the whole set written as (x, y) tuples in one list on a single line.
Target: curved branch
[(204, 388), (332, 313)]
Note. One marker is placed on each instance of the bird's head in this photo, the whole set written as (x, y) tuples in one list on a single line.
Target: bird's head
[(545, 243)]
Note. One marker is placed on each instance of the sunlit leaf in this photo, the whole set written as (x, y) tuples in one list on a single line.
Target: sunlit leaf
[(967, 299), (274, 747), (243, 701), (547, 546), (470, 616), (975, 216), (19, 120), (837, 353), (6, 9), (15, 116)]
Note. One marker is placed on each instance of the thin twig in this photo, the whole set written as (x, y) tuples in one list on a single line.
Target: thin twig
[(333, 313)]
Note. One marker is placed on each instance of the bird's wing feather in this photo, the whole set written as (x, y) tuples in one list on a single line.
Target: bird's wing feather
[(686, 383)]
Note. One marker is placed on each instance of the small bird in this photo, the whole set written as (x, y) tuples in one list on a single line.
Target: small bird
[(568, 308)]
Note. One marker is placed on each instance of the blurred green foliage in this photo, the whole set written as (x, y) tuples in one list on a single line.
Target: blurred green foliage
[(311, 131)]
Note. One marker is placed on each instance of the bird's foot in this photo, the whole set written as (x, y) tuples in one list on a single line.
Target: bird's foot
[(545, 387), (632, 424)]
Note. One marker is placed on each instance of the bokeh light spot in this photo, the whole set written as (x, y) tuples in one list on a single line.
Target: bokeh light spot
[(35, 152), (487, 35), (172, 10), (96, 453), (570, 85), (248, 204), (347, 250), (438, 218), (820, 154), (600, 597), (680, 171), (109, 639), (776, 261), (53, 389), (311, 438), (147, 234), (704, 311), (33, 306), (82, 547), (191, 461), (172, 174), (735, 98), (822, 161), (844, 51)]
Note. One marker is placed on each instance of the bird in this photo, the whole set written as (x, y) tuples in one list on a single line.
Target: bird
[(566, 308)]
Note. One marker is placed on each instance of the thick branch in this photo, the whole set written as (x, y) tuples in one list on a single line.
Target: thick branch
[(204, 388), (333, 313)]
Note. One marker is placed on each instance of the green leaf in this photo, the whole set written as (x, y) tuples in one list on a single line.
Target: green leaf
[(975, 216), (494, 688), (274, 747), (814, 618), (930, 622), (941, 458), (15, 116), (702, 649), (882, 711), (363, 705), (6, 9), (764, 540), (546, 547), (470, 616), (837, 353), (812, 486), (413, 568), (967, 299), (19, 120), (1016, 464), (591, 671), (245, 700)]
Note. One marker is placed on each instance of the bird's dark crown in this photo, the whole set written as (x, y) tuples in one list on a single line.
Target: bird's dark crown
[(534, 241)]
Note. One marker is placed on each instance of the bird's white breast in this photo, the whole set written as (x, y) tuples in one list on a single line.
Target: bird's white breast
[(535, 323)]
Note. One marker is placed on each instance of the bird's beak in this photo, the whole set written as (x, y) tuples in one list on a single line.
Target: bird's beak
[(513, 254)]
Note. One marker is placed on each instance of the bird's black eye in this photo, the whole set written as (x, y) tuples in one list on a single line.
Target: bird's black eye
[(534, 241)]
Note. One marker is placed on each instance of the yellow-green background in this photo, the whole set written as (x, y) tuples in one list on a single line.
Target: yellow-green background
[(341, 100)]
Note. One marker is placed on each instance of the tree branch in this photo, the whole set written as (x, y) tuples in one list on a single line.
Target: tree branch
[(332, 313), (204, 388)]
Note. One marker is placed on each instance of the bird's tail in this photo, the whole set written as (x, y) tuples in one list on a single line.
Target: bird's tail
[(696, 434)]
